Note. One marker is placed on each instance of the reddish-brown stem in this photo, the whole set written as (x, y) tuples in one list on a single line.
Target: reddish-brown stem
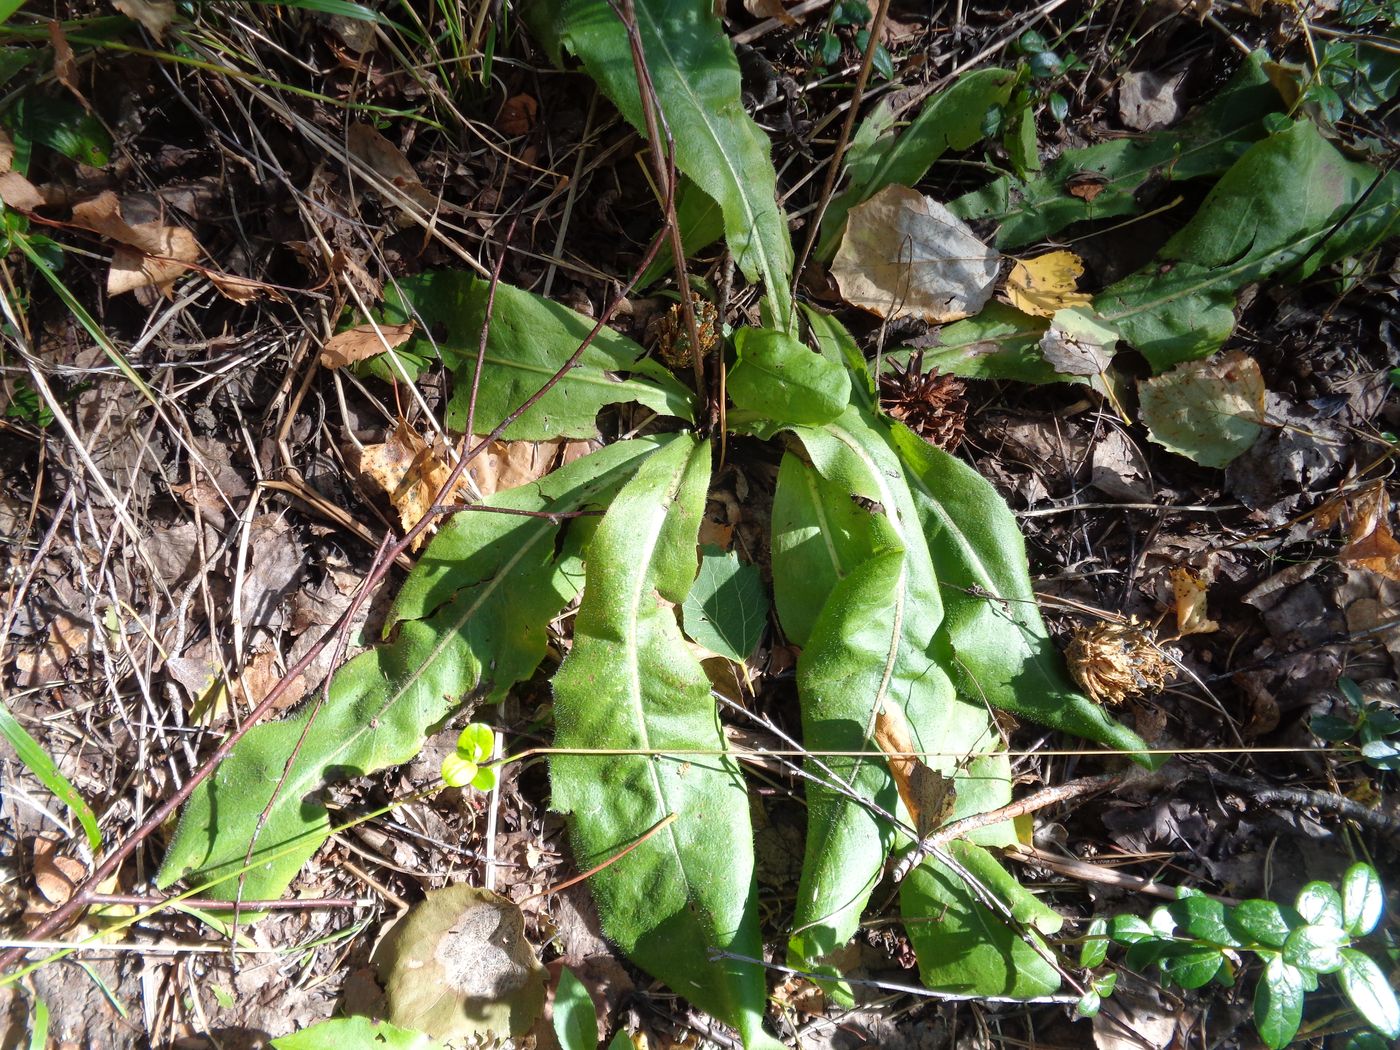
[(562, 886)]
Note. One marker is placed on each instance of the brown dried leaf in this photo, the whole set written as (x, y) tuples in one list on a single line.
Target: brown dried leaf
[(155, 15), (7, 153), (362, 341), (411, 472), (388, 161), (65, 66), (150, 255), (242, 289), (769, 9), (906, 255), (1371, 545), (518, 115), (508, 464), (927, 794), (55, 876), (19, 193), (1189, 589)]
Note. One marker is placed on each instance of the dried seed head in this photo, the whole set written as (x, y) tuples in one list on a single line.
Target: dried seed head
[(1115, 661), (931, 405)]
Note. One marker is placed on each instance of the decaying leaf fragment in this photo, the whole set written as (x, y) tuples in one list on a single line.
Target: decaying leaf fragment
[(906, 255), (148, 255), (1115, 661), (363, 341), (411, 472), (1077, 343), (387, 161), (1210, 411), (1047, 283), (770, 9), (1189, 589), (1370, 542), (458, 967), (155, 15), (927, 794)]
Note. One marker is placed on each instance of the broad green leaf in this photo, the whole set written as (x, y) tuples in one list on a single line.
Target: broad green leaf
[(963, 945), (1261, 921), (1320, 903), (58, 122), (530, 340), (952, 119), (630, 683), (1112, 175), (1002, 653), (45, 769), (1316, 948), (575, 1017), (1363, 899), (701, 224), (727, 609), (355, 1033), (1129, 929), (1278, 1003), (1370, 992), (1290, 205), (1203, 918), (1190, 965), (1094, 950), (779, 379), (999, 343), (473, 617), (820, 536), (696, 78)]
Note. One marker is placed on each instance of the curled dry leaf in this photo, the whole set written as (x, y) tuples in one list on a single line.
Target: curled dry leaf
[(19, 193), (411, 472), (927, 794), (458, 967), (1046, 284), (1078, 344), (242, 289), (1189, 592), (1210, 411), (148, 255), (518, 115), (906, 255), (362, 341), (155, 15), (388, 162), (1370, 543), (770, 9)]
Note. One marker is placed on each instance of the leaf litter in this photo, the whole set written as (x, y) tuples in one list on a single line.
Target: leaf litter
[(1298, 453)]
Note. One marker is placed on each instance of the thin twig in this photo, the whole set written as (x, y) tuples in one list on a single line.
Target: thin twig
[(1382, 823)]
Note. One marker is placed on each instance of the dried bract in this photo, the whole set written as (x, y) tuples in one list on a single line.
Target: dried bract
[(1115, 661)]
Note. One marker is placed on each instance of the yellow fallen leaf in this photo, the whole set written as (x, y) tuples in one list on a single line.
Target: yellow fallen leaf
[(362, 341), (1189, 591), (1047, 283)]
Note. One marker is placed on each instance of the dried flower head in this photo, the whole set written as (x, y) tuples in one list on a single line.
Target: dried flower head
[(931, 405), (1115, 661), (673, 342)]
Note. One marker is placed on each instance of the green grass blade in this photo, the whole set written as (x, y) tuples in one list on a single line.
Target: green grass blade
[(38, 762)]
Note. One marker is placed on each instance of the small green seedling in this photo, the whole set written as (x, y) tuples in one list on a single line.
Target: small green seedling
[(1374, 726), (464, 767), (825, 51), (1196, 939)]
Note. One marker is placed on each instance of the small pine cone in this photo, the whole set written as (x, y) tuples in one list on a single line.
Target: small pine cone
[(931, 405), (1115, 661)]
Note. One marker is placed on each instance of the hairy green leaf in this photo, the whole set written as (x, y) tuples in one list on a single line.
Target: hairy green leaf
[(1002, 653), (999, 343), (630, 683), (1290, 205), (530, 338), (575, 1017), (1116, 173), (490, 585), (727, 609), (701, 224), (696, 78), (779, 379), (952, 119), (355, 1033)]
